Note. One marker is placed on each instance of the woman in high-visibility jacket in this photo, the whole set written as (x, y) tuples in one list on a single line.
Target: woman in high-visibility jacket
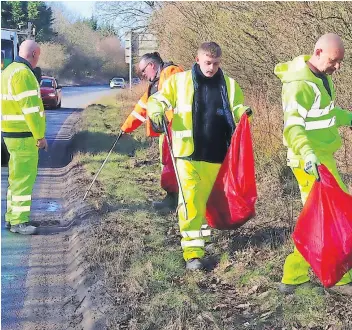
[(23, 129), (156, 71), (206, 104)]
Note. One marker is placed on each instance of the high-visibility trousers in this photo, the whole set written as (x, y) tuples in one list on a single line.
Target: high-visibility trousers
[(197, 180), (23, 168), (296, 267)]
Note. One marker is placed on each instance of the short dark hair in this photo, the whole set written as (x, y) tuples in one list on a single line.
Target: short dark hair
[(211, 48), (153, 57)]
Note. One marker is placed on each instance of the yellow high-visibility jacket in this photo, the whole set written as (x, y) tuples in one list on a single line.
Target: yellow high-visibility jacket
[(21, 104), (177, 94), (311, 117)]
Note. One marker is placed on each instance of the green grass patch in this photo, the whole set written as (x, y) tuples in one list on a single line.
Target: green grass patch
[(138, 251)]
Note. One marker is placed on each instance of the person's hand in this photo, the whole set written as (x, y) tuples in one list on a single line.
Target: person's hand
[(42, 144), (311, 163), (158, 119), (157, 123), (249, 112)]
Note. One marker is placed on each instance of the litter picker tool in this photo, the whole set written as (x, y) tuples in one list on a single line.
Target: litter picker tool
[(175, 168), (102, 165)]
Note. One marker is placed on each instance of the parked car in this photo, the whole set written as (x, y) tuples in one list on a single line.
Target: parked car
[(117, 83), (136, 81), (51, 92)]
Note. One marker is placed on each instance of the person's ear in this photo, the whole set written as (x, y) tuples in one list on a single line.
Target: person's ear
[(318, 52), (197, 59)]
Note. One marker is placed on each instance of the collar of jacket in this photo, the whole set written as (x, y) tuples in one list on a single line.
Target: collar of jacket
[(199, 80), (20, 59), (199, 76)]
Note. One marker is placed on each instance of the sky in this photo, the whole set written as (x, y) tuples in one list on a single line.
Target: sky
[(79, 8), (82, 8)]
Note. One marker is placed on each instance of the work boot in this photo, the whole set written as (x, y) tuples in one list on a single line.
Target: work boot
[(287, 288), (290, 288), (24, 229), (168, 203), (343, 289), (7, 225), (194, 264)]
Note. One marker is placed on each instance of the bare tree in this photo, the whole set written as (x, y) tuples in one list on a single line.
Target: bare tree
[(127, 15)]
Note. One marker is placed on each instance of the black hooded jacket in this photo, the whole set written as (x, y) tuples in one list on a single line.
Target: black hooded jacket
[(213, 124)]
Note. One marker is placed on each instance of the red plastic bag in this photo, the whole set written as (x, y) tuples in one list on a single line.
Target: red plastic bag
[(232, 199), (323, 234), (168, 176)]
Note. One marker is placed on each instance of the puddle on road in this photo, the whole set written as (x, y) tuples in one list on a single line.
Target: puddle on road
[(53, 206), (47, 206)]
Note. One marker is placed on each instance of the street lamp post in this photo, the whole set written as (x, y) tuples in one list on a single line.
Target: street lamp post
[(128, 54)]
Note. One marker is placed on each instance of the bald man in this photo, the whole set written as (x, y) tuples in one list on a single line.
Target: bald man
[(311, 132), (23, 130)]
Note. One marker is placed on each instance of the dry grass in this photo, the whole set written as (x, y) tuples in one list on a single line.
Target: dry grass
[(138, 252)]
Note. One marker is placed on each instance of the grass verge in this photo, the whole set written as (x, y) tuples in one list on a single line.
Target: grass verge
[(137, 252)]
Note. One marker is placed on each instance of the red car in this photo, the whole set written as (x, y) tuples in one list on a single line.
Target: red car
[(51, 92)]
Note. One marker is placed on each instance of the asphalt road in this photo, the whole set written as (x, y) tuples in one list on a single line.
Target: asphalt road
[(16, 250)]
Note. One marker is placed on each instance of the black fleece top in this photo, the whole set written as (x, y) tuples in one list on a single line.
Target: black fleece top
[(325, 80), (211, 130)]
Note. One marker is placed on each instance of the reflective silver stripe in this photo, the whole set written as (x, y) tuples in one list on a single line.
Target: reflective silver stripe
[(21, 208), (181, 134), (27, 111), (25, 94), (320, 124), (41, 113), (316, 113), (8, 199), (204, 226), (141, 104), (181, 90), (138, 116), (12, 117), (6, 97), (183, 108), (196, 233), (313, 113), (193, 243), (291, 121), (162, 99), (316, 104), (296, 106), (21, 198)]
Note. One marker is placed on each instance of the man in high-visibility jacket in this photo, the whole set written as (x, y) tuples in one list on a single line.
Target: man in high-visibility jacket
[(311, 131), (206, 104), (156, 71), (23, 129)]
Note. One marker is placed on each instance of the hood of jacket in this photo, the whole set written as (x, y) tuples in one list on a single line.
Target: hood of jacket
[(295, 70)]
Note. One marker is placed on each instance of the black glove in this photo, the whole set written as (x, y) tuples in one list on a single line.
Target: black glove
[(249, 112), (157, 128)]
